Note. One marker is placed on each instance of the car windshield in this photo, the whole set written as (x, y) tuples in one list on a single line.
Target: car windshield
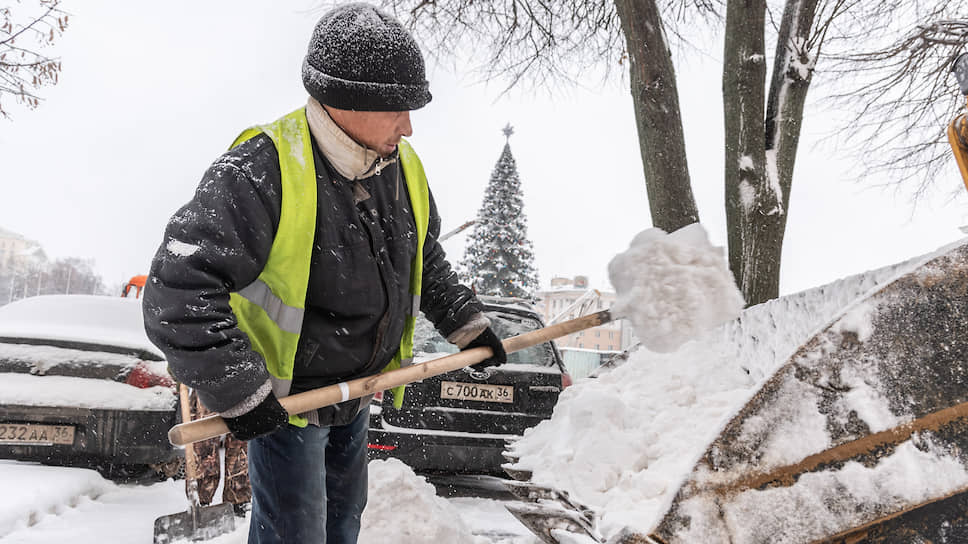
[(427, 340)]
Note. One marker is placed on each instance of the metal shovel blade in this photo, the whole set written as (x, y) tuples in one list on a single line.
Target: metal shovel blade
[(198, 523)]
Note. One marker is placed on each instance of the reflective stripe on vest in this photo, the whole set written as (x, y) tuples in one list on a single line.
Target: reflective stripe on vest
[(270, 310)]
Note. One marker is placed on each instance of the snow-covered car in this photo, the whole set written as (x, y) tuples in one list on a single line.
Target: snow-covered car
[(460, 421), (81, 385)]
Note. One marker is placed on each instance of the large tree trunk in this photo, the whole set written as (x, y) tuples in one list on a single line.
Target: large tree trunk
[(657, 116), (752, 204), (792, 73), (758, 183)]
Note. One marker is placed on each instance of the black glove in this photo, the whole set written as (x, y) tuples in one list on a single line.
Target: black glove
[(487, 339), (265, 418)]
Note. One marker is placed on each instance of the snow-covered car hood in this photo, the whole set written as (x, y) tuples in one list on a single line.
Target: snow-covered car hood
[(87, 319)]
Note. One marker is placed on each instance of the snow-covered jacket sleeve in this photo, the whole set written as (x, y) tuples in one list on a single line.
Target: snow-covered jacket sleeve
[(217, 243), (446, 303)]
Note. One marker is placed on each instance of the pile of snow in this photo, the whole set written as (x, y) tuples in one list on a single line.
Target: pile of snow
[(33, 494), (58, 504), (673, 287), (407, 507), (659, 411)]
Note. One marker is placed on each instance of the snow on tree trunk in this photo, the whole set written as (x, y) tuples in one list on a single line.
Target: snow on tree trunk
[(748, 203), (499, 259), (759, 163)]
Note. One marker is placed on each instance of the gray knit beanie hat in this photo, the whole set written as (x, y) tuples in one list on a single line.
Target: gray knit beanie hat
[(363, 59)]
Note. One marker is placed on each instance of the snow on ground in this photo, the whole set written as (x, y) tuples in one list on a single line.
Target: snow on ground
[(56, 504), (46, 505), (658, 411), (35, 491), (429, 518)]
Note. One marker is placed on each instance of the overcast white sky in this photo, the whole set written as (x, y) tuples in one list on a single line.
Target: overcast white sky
[(149, 97)]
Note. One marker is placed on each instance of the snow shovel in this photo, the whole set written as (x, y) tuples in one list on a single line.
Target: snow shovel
[(212, 426), (199, 522)]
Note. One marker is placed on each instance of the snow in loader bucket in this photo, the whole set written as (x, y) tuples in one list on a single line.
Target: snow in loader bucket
[(860, 436)]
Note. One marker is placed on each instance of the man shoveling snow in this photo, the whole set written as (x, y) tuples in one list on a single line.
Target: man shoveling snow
[(682, 264)]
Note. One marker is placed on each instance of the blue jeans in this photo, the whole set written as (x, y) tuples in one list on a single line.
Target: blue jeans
[(309, 484)]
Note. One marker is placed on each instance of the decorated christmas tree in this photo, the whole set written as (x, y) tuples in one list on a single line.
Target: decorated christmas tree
[(499, 259)]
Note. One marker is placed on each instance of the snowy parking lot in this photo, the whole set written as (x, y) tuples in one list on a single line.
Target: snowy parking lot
[(46, 504)]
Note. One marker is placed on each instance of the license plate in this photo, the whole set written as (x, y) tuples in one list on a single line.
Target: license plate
[(36, 435), (478, 392)]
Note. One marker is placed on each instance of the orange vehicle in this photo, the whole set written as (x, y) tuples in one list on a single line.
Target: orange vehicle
[(958, 129), (137, 283)]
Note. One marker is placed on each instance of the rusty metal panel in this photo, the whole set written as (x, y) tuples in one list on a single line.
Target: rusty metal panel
[(784, 468)]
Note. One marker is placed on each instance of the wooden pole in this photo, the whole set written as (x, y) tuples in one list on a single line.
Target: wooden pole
[(212, 426)]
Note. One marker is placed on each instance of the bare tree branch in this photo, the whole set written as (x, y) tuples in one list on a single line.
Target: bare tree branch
[(902, 87), (526, 41), (26, 68), (901, 95)]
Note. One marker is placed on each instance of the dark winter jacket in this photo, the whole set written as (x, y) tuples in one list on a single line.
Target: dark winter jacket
[(358, 294)]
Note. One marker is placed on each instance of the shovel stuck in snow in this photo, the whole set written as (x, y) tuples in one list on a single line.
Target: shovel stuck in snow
[(199, 522)]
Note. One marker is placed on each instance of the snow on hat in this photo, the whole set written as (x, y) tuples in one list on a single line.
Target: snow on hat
[(363, 59)]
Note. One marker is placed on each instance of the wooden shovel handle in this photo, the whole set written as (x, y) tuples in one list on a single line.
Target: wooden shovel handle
[(212, 426), (191, 462)]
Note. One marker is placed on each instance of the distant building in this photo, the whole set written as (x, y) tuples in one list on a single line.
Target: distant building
[(17, 252), (569, 298)]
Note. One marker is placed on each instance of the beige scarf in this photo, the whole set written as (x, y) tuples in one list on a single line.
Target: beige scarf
[(352, 160)]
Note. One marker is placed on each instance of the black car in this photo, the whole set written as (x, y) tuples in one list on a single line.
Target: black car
[(81, 385), (459, 422)]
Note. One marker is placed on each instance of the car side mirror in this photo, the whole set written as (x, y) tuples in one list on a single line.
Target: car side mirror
[(960, 69)]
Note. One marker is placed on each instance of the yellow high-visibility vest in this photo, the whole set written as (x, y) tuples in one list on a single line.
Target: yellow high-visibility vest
[(270, 310)]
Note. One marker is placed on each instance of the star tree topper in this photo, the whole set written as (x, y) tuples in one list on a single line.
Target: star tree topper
[(508, 130)]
